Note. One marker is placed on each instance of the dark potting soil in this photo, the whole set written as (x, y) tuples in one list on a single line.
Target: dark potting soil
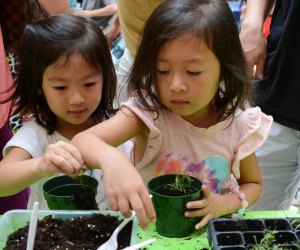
[(85, 199), (80, 233)]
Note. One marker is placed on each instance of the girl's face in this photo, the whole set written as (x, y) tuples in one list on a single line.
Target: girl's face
[(188, 76), (72, 90)]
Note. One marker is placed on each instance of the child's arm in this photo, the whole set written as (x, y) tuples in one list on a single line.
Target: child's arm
[(213, 205), (124, 187), (55, 6), (19, 170)]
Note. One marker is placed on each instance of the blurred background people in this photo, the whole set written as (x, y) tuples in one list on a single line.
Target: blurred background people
[(275, 91), (101, 11), (130, 20)]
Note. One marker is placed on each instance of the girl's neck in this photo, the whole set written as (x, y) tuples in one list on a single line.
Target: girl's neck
[(204, 120)]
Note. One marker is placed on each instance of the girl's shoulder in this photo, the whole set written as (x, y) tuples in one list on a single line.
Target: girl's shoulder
[(252, 119), (252, 128), (30, 126), (30, 137), (133, 104), (33, 138)]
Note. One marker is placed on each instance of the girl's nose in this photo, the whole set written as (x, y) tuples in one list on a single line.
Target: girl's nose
[(178, 84), (76, 98)]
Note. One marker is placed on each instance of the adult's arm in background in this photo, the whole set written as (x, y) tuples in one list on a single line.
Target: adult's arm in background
[(251, 34), (55, 6), (108, 10), (113, 31)]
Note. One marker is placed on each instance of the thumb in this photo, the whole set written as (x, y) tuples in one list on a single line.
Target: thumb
[(260, 66), (205, 191)]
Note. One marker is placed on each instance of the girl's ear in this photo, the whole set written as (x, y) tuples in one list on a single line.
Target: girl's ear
[(39, 92)]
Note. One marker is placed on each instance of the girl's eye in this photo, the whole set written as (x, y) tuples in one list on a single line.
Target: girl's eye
[(60, 87), (194, 73), (162, 72), (90, 84)]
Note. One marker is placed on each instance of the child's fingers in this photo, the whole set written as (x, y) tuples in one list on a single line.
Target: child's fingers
[(138, 206), (203, 222), (72, 159), (112, 201), (149, 206), (124, 206), (205, 191), (73, 151), (66, 165), (199, 210), (61, 156)]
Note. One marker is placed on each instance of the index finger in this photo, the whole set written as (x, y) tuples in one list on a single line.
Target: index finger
[(143, 207)]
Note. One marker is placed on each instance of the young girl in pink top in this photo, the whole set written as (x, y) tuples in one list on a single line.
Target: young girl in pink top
[(188, 87)]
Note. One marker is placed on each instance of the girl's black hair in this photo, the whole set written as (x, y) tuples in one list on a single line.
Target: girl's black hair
[(43, 43), (209, 20)]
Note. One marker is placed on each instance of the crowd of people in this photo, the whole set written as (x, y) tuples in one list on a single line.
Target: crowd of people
[(216, 97)]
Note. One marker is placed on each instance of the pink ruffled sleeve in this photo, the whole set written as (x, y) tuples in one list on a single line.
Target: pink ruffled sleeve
[(257, 125)]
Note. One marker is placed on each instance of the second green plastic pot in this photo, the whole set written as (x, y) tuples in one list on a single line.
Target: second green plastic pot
[(170, 210), (61, 193)]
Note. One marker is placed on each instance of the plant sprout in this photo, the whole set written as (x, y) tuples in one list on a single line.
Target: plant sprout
[(181, 183), (295, 222), (79, 177), (267, 243)]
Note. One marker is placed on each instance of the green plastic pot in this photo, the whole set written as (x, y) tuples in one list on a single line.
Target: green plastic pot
[(66, 193), (170, 210)]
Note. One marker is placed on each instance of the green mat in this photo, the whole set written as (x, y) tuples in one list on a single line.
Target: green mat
[(198, 240)]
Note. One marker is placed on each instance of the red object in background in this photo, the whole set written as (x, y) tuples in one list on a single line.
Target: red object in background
[(266, 27)]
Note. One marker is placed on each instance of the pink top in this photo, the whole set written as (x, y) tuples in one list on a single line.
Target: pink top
[(212, 154), (5, 81)]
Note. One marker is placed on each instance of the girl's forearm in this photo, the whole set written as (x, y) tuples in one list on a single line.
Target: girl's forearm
[(95, 152), (15, 176), (253, 192), (233, 202)]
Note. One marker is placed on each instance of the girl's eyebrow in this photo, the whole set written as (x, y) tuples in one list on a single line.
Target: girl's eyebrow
[(193, 60), (56, 79), (61, 79), (96, 74)]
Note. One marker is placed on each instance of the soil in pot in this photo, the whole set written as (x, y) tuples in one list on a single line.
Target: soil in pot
[(170, 204), (73, 234), (66, 193)]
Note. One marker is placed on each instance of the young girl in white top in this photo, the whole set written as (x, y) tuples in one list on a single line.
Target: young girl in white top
[(66, 84), (188, 87)]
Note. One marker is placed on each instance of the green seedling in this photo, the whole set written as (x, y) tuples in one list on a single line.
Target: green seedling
[(79, 177), (181, 183), (295, 222), (267, 242)]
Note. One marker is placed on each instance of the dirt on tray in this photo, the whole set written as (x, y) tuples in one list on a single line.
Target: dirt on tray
[(84, 233)]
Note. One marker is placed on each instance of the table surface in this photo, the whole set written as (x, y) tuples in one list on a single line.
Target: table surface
[(198, 240)]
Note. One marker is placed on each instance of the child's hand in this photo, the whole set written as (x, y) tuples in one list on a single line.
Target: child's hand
[(126, 191), (211, 205), (61, 157)]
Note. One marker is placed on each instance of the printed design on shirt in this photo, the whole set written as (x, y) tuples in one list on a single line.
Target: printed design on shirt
[(212, 170)]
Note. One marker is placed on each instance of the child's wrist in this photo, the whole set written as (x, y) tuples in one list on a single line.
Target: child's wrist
[(241, 195)]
